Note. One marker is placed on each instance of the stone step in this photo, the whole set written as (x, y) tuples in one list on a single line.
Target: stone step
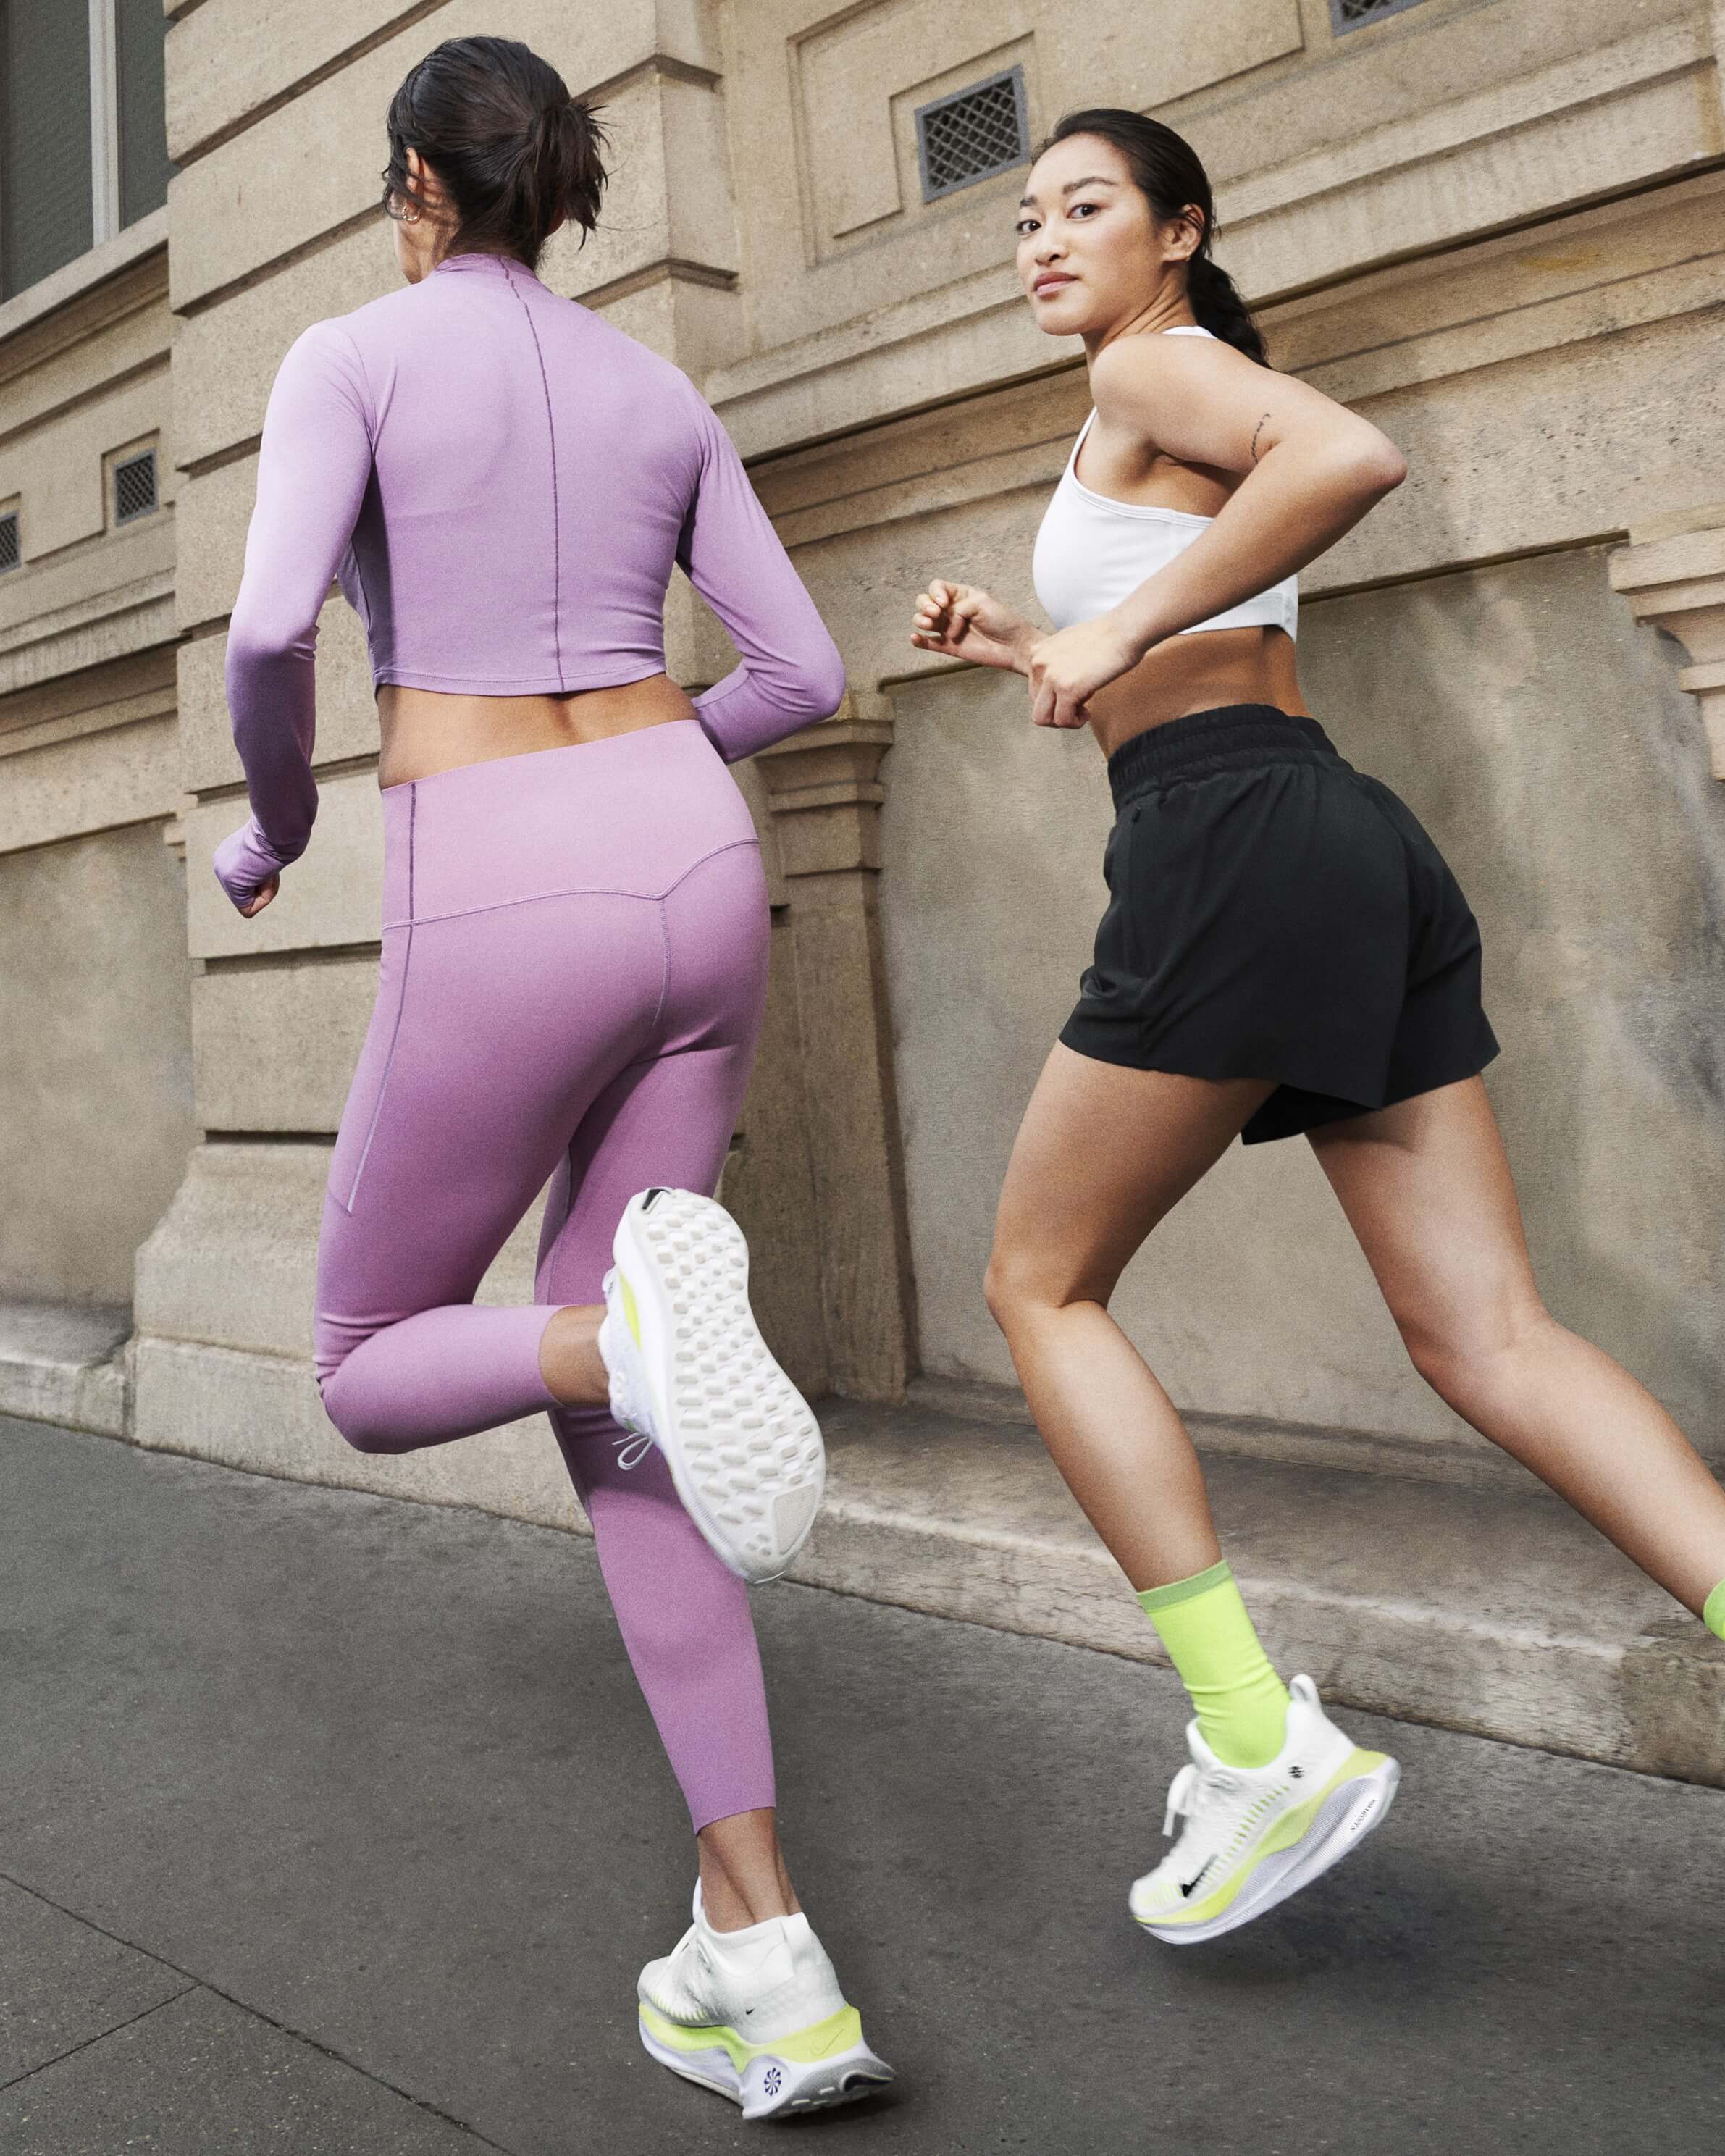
[(1439, 1585), (1492, 1610), (64, 1362)]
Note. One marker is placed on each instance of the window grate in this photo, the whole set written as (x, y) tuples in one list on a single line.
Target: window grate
[(135, 487), (1355, 14), (973, 135), (11, 555)]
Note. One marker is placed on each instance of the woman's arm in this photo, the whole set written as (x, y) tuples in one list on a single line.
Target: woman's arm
[(1311, 469), (960, 621), (314, 462), (790, 673)]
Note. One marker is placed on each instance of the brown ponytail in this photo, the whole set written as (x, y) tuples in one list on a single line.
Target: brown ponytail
[(516, 155)]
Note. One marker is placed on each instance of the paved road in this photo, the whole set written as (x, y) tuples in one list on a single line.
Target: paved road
[(333, 1824)]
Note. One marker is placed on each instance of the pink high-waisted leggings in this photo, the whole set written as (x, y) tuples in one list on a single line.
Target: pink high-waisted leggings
[(574, 969)]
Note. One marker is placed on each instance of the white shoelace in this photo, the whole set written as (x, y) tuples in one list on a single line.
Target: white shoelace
[(1186, 1793), (632, 1448)]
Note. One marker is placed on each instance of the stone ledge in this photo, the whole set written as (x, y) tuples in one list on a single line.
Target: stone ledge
[(1498, 1613), (64, 1362), (1492, 1610)]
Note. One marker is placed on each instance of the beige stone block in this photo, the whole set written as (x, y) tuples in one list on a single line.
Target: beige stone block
[(93, 782), (234, 1261), (116, 334), (56, 471), (225, 64), (1602, 120), (274, 1046), (636, 221), (769, 1185), (865, 584), (696, 150), (79, 643), (346, 703), (211, 522), (332, 895), (83, 590), (684, 318), (1555, 446), (221, 71), (934, 347), (64, 1364), (1567, 281), (95, 1076), (262, 1413)]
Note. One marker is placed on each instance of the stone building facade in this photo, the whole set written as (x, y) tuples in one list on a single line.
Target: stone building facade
[(1493, 227)]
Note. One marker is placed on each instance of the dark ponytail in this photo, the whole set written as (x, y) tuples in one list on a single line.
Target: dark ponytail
[(1166, 170), (516, 153)]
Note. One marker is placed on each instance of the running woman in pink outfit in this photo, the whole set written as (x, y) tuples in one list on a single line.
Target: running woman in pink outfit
[(574, 955)]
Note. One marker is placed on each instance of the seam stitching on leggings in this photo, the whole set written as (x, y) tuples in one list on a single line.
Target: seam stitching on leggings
[(731, 846), (401, 1004), (556, 573), (587, 891), (664, 971)]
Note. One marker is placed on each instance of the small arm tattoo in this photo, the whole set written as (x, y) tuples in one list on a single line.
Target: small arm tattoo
[(1256, 431)]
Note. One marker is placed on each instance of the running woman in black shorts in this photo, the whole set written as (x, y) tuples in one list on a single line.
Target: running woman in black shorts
[(1284, 951)]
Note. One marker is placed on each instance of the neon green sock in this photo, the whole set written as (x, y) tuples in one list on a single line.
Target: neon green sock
[(1713, 1614), (1242, 1704)]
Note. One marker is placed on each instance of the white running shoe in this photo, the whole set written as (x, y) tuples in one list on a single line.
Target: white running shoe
[(691, 1373), (757, 2015), (1256, 1834)]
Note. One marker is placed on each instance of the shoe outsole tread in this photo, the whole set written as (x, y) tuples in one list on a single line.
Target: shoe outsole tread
[(744, 1448)]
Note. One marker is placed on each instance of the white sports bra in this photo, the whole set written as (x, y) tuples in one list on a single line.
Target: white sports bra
[(1092, 551)]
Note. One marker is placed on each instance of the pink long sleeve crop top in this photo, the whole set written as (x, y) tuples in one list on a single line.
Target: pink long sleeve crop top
[(500, 479)]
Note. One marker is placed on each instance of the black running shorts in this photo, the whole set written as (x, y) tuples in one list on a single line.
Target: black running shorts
[(1274, 913)]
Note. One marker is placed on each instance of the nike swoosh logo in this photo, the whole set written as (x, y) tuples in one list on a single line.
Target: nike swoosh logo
[(1187, 1886)]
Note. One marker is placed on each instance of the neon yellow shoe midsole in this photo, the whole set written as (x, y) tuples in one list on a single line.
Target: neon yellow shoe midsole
[(1286, 1831), (821, 2039)]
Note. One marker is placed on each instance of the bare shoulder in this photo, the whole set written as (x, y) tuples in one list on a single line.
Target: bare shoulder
[(1201, 400), (1138, 378)]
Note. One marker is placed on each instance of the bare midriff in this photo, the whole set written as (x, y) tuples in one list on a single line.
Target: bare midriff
[(426, 731), (1195, 672)]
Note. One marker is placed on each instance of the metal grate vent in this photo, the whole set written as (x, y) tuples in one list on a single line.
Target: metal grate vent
[(10, 554), (1355, 14), (973, 135), (135, 487)]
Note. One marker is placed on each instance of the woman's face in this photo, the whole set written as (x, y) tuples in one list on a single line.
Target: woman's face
[(1091, 253)]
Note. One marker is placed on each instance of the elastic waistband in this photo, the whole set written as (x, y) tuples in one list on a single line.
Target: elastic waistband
[(631, 813), (1229, 737)]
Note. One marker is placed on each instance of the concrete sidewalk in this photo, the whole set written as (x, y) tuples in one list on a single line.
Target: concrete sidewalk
[(331, 1823)]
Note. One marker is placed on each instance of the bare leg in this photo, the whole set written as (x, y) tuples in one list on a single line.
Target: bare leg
[(743, 1880), (569, 1359), (1103, 1154), (1427, 1190)]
